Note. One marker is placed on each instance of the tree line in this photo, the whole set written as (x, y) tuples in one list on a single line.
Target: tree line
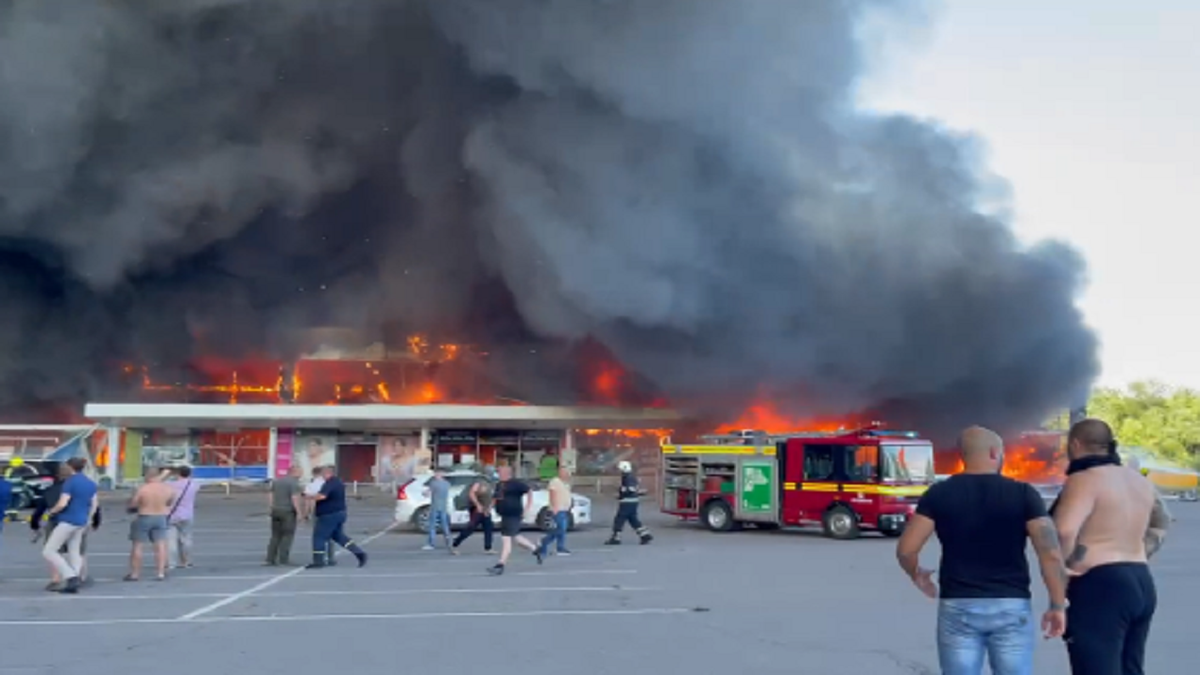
[(1164, 420)]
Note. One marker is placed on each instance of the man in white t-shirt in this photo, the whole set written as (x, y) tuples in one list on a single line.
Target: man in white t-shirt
[(560, 505)]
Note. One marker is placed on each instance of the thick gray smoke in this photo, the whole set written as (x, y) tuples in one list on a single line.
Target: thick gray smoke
[(689, 183)]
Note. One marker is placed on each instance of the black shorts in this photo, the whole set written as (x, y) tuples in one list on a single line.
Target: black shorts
[(510, 526)]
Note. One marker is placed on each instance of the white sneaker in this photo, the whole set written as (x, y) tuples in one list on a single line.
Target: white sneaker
[(426, 547)]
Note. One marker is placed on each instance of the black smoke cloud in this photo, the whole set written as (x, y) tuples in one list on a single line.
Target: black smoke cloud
[(688, 183)]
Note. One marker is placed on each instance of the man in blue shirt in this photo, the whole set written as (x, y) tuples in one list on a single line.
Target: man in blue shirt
[(74, 512), (330, 512), (438, 489)]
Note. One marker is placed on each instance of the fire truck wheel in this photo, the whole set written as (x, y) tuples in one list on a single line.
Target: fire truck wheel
[(840, 523), (717, 516)]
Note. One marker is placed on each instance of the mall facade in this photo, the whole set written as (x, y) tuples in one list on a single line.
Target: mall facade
[(374, 444)]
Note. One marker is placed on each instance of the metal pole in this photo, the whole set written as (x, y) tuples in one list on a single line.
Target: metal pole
[(1078, 414)]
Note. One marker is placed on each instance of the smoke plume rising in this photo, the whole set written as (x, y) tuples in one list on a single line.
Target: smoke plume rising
[(687, 183)]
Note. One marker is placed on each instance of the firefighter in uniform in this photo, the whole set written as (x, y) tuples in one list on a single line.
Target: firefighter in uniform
[(628, 498), (330, 511), (15, 475)]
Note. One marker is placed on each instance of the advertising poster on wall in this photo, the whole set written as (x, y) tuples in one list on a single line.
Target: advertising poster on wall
[(283, 452), (312, 449), (401, 457)]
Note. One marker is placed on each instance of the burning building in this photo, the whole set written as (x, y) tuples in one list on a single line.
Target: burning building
[(505, 203)]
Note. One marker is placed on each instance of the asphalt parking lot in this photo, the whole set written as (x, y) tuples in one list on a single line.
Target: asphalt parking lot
[(764, 602)]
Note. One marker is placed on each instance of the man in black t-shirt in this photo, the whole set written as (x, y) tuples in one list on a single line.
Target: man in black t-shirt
[(513, 498), (982, 520), (330, 511)]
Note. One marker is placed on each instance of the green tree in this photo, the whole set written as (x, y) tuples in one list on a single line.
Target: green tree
[(1163, 419)]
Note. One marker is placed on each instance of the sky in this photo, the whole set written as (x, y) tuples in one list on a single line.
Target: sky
[(1091, 110)]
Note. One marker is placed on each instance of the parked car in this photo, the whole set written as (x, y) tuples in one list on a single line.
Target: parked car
[(412, 504)]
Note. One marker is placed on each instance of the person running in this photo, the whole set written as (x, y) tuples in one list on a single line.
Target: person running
[(513, 499), (152, 503), (982, 520), (330, 510), (286, 507), (629, 496), (179, 520), (438, 491), (1112, 521), (479, 504), (560, 506), (74, 510)]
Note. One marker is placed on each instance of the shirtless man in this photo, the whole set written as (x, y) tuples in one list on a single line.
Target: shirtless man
[(152, 502), (1110, 522)]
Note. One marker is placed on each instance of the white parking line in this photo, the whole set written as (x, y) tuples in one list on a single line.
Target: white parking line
[(266, 584), (367, 617), (299, 594), (364, 575)]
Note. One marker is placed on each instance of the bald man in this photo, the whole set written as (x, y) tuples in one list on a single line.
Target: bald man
[(1112, 521), (983, 520)]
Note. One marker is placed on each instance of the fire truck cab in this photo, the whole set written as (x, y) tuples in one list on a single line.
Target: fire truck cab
[(845, 481)]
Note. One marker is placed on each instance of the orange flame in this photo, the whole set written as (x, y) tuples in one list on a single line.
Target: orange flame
[(766, 417), (1038, 458)]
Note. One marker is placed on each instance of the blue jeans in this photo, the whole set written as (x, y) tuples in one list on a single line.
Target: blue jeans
[(1002, 629), (437, 518), (562, 521)]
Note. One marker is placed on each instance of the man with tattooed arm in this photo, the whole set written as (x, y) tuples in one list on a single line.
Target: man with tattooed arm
[(1110, 522), (984, 522)]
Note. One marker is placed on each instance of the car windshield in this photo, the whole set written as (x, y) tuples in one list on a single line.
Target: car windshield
[(911, 462), (456, 481)]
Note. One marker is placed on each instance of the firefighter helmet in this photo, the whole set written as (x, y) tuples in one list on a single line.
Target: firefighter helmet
[(624, 466)]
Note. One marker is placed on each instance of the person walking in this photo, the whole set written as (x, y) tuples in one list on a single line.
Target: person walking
[(560, 506), (179, 520), (152, 503), (438, 491), (1111, 521), (286, 508), (310, 493), (330, 511), (513, 499), (983, 520), (480, 500), (74, 510), (629, 496)]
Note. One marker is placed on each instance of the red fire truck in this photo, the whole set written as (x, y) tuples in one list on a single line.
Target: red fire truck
[(846, 481)]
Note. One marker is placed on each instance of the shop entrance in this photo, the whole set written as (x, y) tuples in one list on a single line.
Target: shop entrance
[(355, 462)]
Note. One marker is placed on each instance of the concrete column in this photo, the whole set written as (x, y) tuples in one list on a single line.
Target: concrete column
[(272, 448), (566, 454), (113, 470)]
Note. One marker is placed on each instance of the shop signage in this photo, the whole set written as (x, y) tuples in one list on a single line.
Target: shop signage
[(541, 436), (499, 437), (457, 437)]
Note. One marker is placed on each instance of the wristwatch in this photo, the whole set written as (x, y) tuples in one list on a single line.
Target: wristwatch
[(1060, 608)]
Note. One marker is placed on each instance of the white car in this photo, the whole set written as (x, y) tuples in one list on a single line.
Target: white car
[(412, 504)]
